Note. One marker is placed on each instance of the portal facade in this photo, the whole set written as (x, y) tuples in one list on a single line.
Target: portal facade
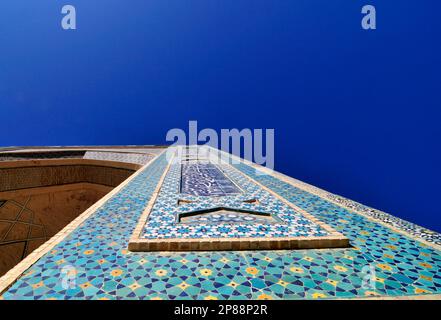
[(176, 223)]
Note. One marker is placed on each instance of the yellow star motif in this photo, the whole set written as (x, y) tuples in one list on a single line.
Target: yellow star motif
[(252, 270), (384, 266), (224, 260), (282, 283), (332, 282), (85, 285), (268, 259), (419, 290), (381, 280), (205, 272), (116, 272), (135, 286), (296, 270), (264, 297), (161, 272), (37, 285), (340, 268), (318, 295), (183, 285), (210, 298)]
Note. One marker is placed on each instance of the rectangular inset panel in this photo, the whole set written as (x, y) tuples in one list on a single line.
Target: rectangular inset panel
[(205, 179), (251, 218)]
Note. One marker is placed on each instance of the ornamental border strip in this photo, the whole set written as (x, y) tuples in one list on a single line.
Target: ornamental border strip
[(138, 244)]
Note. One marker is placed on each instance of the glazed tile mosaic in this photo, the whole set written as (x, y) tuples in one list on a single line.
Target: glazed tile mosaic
[(138, 158), (409, 227), (205, 179), (231, 217), (171, 206), (93, 262)]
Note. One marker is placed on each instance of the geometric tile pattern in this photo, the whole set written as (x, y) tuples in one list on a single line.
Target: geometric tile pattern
[(228, 216), (409, 227), (137, 158), (162, 222), (395, 222), (93, 261)]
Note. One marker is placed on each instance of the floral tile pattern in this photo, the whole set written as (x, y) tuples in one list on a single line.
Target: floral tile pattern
[(163, 220), (205, 179), (93, 261)]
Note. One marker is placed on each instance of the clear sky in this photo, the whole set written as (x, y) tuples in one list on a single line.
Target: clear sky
[(355, 112)]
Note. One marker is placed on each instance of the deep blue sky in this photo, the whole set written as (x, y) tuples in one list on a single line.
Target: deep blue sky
[(355, 112)]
